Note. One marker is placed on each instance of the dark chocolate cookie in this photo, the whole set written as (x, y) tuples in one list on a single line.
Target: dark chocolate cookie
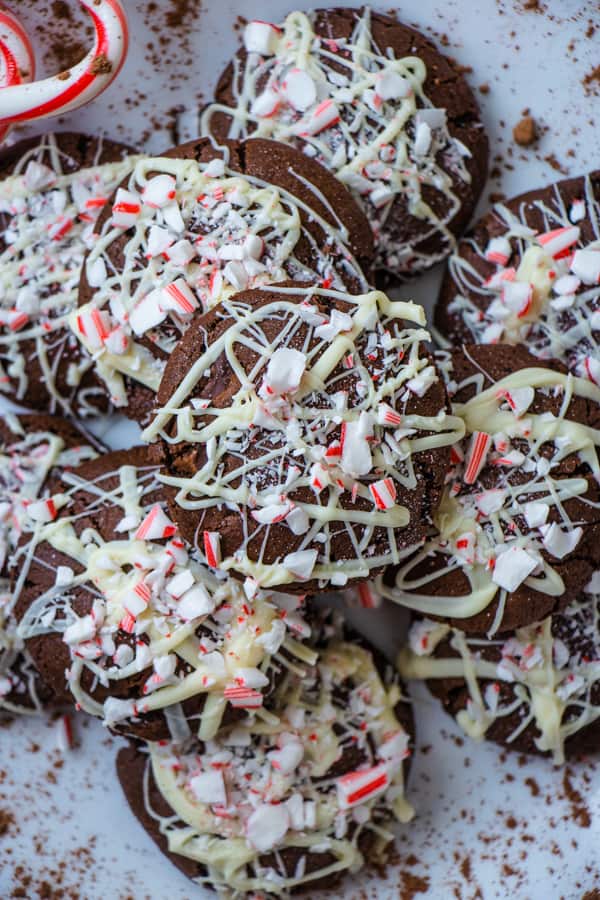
[(519, 525), (529, 272), (34, 449), (378, 104), (536, 690), (52, 190), (306, 430), (294, 807), (149, 640), (187, 230)]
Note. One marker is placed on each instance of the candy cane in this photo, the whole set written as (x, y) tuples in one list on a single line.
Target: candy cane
[(17, 62), (70, 90)]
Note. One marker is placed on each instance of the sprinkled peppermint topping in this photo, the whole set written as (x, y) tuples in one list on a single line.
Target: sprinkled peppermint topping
[(351, 105), (322, 417), (553, 669), (48, 214), (545, 289), (153, 608), (27, 458), (255, 790), (196, 234), (513, 501)]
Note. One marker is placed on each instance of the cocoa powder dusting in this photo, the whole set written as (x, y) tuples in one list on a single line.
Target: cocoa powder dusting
[(579, 810), (591, 82)]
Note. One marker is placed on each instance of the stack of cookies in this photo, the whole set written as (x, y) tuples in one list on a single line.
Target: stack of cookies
[(300, 436)]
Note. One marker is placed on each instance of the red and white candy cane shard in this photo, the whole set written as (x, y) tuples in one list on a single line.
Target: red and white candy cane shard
[(480, 444), (362, 785), (60, 94), (156, 525), (368, 598), (559, 242), (243, 697), (17, 62), (64, 735), (212, 548), (383, 493)]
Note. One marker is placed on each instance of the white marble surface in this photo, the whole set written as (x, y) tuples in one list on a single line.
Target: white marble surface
[(513, 823)]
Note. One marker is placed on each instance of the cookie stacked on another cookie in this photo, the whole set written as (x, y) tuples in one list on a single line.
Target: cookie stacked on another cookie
[(503, 634), (34, 451), (305, 430), (529, 272), (190, 228), (52, 190), (533, 690), (122, 619), (292, 806), (518, 527), (376, 102)]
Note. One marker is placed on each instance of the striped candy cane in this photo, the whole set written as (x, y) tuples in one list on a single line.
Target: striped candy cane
[(17, 62), (60, 94)]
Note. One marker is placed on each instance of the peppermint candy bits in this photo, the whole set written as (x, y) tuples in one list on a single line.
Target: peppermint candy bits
[(299, 451)]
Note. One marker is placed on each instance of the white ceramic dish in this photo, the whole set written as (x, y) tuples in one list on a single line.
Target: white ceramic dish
[(487, 825)]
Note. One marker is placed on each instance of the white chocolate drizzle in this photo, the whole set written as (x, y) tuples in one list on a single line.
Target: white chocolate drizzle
[(25, 465), (290, 428), (259, 789), (545, 289), (523, 515), (553, 669), (49, 214), (199, 232), (153, 608), (355, 108)]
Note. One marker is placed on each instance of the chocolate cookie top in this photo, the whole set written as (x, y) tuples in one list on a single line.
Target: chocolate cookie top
[(34, 449), (529, 273), (52, 191), (306, 429), (375, 102), (519, 523), (150, 640), (189, 229), (535, 690), (275, 810)]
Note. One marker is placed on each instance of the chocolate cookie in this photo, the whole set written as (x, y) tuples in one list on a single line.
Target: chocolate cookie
[(518, 529), (149, 640), (33, 450), (305, 431), (379, 105), (187, 230), (529, 273), (535, 690), (290, 808), (52, 190)]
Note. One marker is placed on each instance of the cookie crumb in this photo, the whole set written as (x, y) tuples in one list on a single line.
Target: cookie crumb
[(591, 82), (525, 132), (101, 65)]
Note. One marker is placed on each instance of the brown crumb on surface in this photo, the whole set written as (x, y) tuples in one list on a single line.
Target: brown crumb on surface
[(484, 88), (6, 821), (525, 132), (101, 65), (411, 885), (555, 164), (179, 11), (533, 786), (591, 82), (579, 810)]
